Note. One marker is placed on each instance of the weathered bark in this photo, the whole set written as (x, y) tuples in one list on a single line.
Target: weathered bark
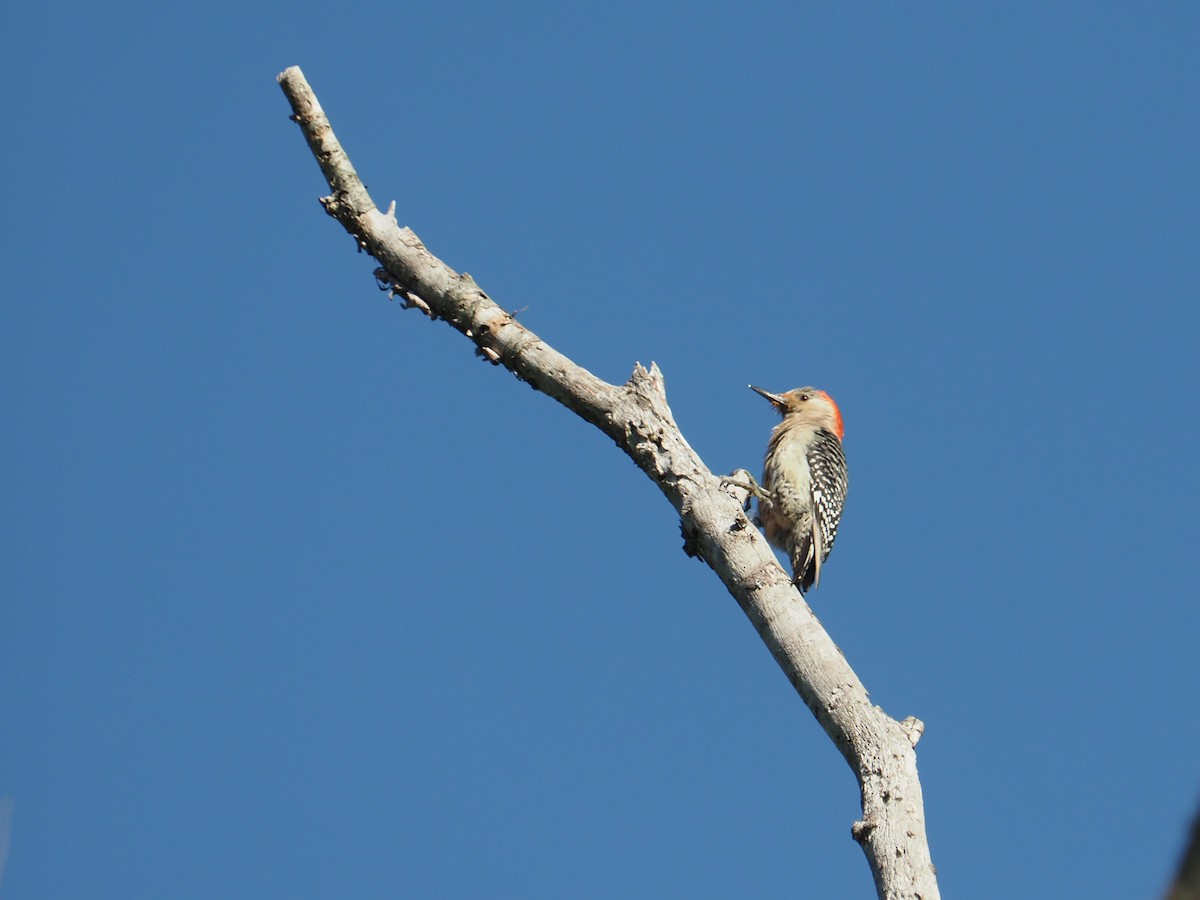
[(635, 415)]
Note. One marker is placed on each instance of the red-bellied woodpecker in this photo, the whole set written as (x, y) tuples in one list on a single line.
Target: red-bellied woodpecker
[(804, 479)]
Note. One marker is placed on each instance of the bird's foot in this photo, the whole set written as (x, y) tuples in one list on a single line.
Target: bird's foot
[(748, 484)]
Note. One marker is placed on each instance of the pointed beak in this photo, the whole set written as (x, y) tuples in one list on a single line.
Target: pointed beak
[(775, 399)]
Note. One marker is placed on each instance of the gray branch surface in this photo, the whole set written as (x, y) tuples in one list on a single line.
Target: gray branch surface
[(635, 415)]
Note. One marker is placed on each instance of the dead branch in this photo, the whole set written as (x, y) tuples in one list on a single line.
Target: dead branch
[(636, 416)]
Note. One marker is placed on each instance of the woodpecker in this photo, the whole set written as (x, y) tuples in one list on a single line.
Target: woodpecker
[(804, 480)]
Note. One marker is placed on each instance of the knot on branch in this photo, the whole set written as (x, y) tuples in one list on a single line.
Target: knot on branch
[(913, 728), (488, 353), (862, 831)]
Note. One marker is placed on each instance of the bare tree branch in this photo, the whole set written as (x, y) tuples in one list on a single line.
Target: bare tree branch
[(635, 415)]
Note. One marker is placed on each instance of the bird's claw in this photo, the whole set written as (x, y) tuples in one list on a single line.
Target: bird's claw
[(750, 485)]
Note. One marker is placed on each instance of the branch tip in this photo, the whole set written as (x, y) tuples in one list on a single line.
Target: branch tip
[(648, 380)]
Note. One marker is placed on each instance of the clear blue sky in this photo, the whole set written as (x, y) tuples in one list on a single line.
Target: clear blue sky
[(303, 600)]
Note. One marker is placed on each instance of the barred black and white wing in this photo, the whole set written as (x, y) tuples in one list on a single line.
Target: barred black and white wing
[(830, 481)]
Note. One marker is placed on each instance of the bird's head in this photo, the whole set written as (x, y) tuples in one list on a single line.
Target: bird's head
[(807, 404)]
